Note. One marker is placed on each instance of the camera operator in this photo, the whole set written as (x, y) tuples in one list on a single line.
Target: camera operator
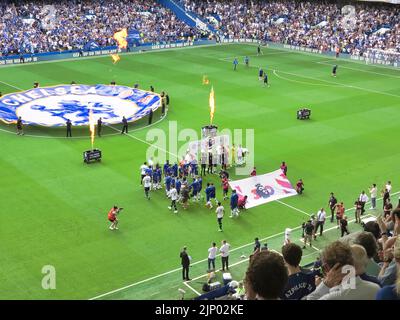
[(112, 217)]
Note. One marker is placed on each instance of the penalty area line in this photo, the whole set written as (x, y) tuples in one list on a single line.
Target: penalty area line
[(144, 141)]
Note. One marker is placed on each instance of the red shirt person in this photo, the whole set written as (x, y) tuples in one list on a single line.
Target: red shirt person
[(225, 187), (300, 186), (112, 217), (242, 202)]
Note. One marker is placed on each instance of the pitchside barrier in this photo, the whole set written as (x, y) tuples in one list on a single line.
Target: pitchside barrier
[(72, 54)]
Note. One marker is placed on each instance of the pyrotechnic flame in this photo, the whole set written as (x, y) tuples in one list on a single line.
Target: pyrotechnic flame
[(120, 37), (212, 105), (115, 57), (92, 123)]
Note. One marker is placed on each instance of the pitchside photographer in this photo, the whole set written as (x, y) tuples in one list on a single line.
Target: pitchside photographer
[(112, 217)]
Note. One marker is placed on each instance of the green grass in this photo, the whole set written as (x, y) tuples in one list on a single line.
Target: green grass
[(54, 207)]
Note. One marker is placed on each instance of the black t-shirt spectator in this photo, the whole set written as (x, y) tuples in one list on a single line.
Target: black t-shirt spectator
[(309, 228)]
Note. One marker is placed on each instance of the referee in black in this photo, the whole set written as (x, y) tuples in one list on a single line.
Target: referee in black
[(69, 128), (185, 261), (125, 127)]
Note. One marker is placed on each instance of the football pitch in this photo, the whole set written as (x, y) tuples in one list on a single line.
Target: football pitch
[(54, 207)]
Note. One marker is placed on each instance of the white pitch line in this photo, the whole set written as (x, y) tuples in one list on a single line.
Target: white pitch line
[(303, 82), (144, 141), (194, 290), (356, 69), (294, 208), (10, 85), (330, 82), (341, 84), (220, 270)]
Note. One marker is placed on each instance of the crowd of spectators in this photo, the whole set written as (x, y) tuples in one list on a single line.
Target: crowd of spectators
[(28, 26), (363, 265), (319, 25), (32, 26)]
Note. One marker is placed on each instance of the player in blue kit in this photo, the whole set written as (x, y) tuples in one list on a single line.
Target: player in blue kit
[(266, 80), (155, 179), (166, 168), (174, 169), (260, 74), (159, 176), (234, 204), (178, 185), (211, 196), (200, 182), (195, 189), (235, 63), (168, 181)]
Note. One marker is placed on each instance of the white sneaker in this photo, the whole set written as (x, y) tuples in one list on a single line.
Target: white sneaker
[(231, 216), (176, 211), (115, 228), (111, 228), (169, 208)]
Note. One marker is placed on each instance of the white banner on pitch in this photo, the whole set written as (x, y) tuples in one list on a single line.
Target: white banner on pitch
[(264, 188)]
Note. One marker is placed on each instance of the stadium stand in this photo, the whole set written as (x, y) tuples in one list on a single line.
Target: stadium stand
[(78, 26), (318, 25)]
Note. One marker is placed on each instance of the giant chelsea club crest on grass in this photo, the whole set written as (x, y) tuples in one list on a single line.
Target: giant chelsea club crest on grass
[(52, 106)]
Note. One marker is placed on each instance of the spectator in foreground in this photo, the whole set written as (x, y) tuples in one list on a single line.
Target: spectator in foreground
[(337, 262), (361, 262), (300, 282), (368, 242), (392, 292), (266, 276)]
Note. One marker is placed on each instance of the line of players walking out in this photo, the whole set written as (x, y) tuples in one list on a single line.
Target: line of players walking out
[(183, 182)]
